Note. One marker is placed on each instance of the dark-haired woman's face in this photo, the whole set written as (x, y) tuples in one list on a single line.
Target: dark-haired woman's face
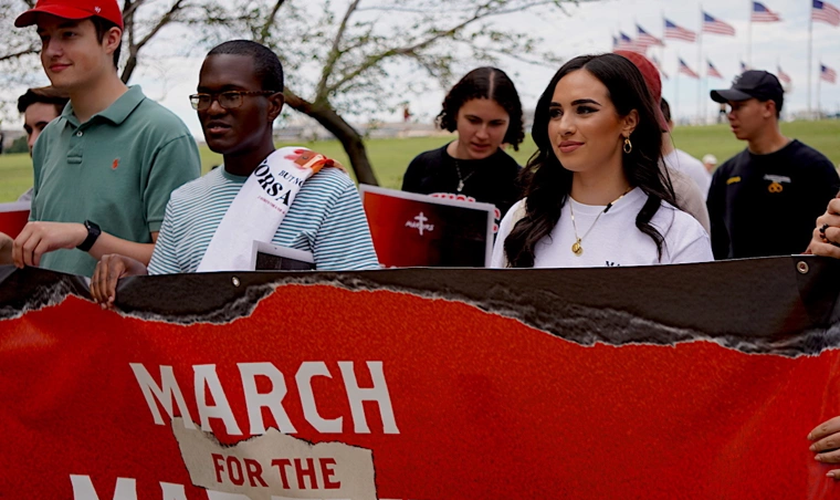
[(482, 125), (584, 127)]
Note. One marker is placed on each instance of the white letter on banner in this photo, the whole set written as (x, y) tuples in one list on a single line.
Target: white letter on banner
[(83, 488), (273, 400), (172, 491), (205, 376), (378, 393), (308, 370), (168, 389)]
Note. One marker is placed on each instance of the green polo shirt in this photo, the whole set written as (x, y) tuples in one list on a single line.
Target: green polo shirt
[(116, 169)]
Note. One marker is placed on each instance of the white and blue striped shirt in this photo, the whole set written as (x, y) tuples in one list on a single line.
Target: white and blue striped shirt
[(326, 219)]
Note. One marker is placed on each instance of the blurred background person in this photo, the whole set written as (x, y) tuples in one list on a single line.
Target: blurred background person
[(688, 195), (710, 161), (679, 160), (39, 106)]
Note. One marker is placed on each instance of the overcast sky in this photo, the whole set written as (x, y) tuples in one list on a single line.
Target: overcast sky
[(590, 28)]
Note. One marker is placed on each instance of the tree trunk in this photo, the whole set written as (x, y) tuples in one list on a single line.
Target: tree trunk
[(130, 66), (344, 132)]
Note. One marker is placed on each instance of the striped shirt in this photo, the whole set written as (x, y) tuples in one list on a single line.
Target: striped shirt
[(326, 219)]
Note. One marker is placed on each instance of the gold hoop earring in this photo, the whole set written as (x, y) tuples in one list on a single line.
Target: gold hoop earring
[(628, 147)]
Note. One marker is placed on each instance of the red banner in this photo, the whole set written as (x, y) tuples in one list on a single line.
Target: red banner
[(13, 216), (666, 382)]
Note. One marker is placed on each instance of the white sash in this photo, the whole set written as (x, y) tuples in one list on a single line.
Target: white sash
[(259, 208)]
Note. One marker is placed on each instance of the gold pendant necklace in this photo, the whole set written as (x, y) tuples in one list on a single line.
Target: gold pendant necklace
[(577, 247)]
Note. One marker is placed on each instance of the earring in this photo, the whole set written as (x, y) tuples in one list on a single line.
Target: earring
[(628, 147)]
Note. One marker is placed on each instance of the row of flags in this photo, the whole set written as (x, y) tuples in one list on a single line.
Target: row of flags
[(820, 11), (826, 74)]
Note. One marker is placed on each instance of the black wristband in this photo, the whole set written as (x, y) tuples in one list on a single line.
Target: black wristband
[(93, 233)]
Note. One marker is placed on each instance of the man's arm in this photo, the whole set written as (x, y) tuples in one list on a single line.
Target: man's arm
[(40, 237)]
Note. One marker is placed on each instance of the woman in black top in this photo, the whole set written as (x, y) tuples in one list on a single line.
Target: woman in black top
[(485, 110)]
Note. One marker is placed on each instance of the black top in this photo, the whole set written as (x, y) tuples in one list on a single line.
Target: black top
[(762, 205), (489, 180)]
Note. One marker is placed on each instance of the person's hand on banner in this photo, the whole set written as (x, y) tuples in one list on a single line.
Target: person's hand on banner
[(826, 238), (826, 444), (6, 244), (38, 238), (109, 270)]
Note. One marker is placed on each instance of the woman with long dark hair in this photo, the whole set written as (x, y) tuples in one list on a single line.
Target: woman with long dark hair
[(484, 108), (595, 195)]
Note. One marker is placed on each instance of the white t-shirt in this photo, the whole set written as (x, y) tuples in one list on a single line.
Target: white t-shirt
[(614, 239), (684, 162)]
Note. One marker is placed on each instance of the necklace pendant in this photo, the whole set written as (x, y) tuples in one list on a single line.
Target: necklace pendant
[(460, 185), (576, 248)]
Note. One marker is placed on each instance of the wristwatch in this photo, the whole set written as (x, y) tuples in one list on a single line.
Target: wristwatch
[(93, 233)]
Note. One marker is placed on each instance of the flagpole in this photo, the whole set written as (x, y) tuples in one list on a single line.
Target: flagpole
[(749, 35), (810, 43), (677, 85), (699, 59), (819, 114), (662, 47)]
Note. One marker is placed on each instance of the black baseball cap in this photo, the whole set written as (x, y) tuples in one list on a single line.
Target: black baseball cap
[(757, 84)]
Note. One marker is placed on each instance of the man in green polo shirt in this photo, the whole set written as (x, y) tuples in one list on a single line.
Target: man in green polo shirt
[(104, 169)]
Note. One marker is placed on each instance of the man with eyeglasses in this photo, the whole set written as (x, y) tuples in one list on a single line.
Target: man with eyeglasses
[(240, 94), (104, 169)]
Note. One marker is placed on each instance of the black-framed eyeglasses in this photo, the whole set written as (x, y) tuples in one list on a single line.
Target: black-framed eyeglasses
[(230, 99)]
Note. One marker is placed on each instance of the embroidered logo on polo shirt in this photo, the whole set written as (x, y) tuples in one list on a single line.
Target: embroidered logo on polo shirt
[(732, 180), (115, 164), (776, 182)]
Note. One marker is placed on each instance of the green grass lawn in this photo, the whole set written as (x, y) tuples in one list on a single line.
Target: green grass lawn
[(390, 157)]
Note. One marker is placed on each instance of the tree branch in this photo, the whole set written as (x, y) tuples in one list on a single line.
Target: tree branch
[(134, 49), (482, 11), (20, 53), (344, 132), (166, 19), (266, 27), (334, 54)]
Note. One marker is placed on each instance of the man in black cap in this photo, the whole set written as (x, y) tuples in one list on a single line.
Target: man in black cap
[(763, 201)]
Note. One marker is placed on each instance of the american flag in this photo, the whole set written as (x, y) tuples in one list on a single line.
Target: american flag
[(712, 71), (624, 42), (685, 70), (674, 32), (784, 77), (828, 74), (645, 38), (824, 11), (761, 14), (658, 66), (716, 26)]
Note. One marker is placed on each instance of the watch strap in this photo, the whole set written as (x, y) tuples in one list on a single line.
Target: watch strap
[(93, 233)]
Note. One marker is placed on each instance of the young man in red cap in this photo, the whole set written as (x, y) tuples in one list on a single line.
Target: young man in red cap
[(104, 169), (763, 201)]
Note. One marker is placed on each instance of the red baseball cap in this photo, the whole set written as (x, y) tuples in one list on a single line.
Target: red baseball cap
[(652, 79), (72, 9)]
